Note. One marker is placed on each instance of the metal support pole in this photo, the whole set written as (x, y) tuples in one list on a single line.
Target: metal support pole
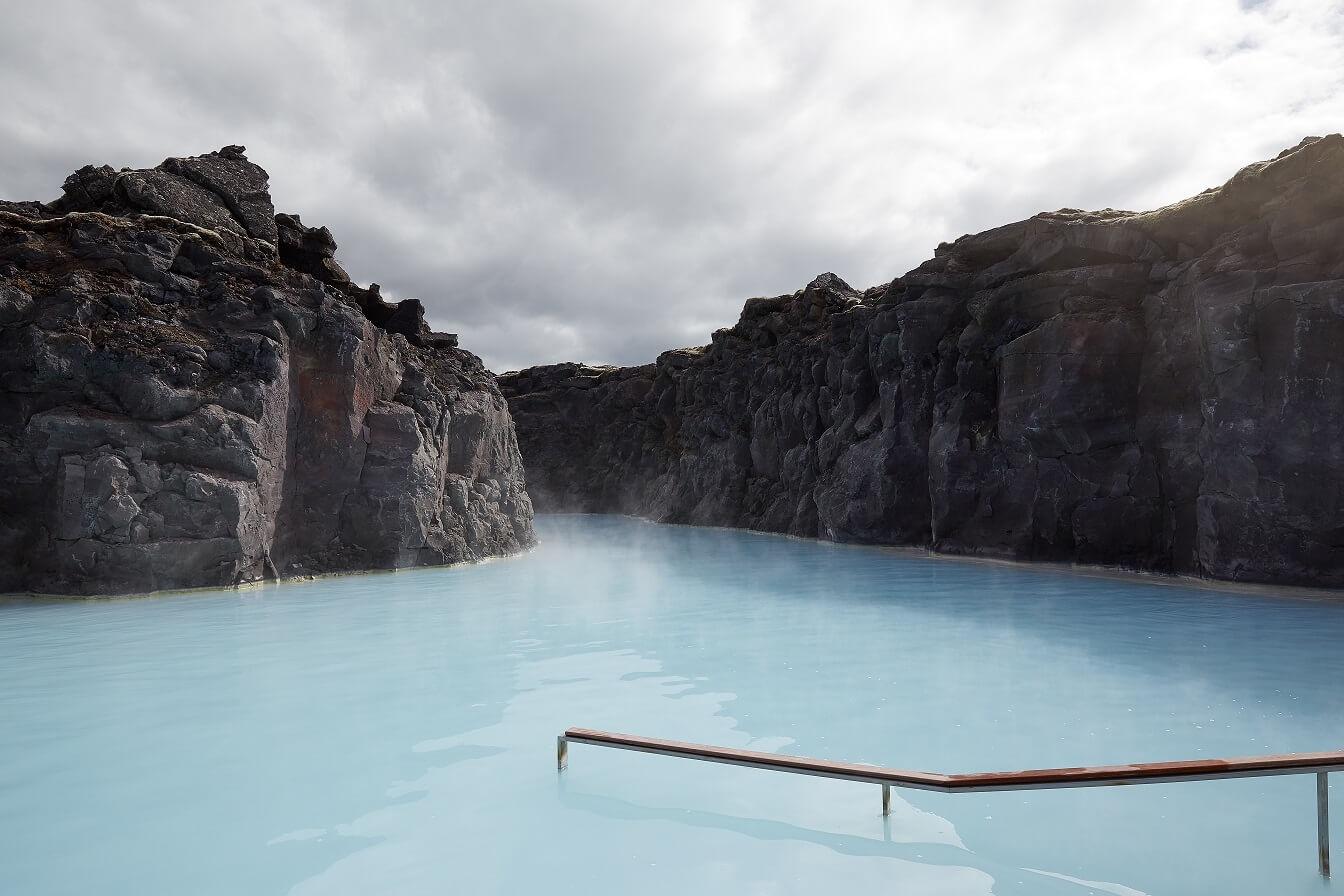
[(886, 799), (1323, 821), (561, 753)]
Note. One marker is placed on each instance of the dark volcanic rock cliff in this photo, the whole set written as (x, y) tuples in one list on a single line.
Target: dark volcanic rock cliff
[(1161, 390), (192, 392)]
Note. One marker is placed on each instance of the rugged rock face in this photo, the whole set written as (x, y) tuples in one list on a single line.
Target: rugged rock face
[(1162, 391), (192, 392)]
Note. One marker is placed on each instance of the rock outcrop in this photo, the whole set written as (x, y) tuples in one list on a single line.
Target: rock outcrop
[(1161, 390), (194, 393)]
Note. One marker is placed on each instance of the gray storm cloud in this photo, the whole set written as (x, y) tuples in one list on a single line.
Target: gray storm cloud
[(600, 181)]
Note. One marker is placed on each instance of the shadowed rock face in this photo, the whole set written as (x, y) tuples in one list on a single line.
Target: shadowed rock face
[(1162, 391), (193, 393)]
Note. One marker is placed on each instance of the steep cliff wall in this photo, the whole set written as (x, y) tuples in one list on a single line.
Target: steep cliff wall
[(192, 392), (1161, 390)]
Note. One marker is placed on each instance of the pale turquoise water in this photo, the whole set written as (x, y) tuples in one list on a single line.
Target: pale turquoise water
[(396, 733)]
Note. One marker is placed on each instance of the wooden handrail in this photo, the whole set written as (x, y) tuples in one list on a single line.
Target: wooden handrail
[(1319, 764)]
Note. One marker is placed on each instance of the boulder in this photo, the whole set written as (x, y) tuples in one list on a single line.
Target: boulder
[(193, 393), (1157, 391)]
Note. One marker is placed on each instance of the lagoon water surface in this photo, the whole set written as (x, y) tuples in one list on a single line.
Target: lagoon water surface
[(396, 733)]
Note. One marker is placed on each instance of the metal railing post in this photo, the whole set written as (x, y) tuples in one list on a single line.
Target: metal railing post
[(1323, 821)]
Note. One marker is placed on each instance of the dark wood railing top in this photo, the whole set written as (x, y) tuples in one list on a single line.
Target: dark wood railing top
[(1147, 772)]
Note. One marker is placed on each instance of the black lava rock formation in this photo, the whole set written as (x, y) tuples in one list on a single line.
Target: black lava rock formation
[(193, 393), (1160, 390)]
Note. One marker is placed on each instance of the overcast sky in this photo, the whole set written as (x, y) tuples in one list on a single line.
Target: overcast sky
[(600, 181)]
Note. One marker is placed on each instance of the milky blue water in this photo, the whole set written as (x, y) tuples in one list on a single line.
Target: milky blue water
[(396, 733)]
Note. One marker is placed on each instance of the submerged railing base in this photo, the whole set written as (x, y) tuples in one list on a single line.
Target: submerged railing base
[(1319, 764)]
